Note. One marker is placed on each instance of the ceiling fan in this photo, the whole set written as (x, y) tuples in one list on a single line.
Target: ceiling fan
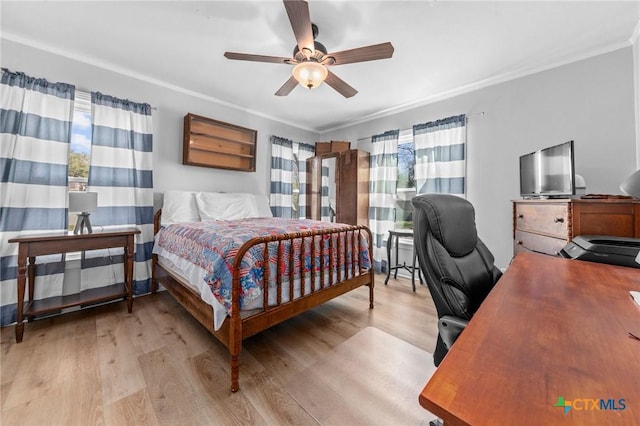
[(310, 57)]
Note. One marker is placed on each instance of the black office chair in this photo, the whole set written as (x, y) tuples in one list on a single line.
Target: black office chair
[(458, 267)]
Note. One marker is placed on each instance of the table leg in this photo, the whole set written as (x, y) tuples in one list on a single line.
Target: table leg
[(415, 256), (128, 272), (413, 270), (395, 272), (389, 243), (22, 277), (31, 278)]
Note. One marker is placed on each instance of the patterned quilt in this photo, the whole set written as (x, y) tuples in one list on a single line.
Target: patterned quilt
[(213, 246)]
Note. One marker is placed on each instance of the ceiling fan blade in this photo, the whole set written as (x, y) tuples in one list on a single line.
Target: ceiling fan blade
[(287, 87), (258, 58), (298, 11), (362, 54), (339, 85)]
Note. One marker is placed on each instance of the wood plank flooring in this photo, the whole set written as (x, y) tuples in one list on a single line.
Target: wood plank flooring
[(158, 366)]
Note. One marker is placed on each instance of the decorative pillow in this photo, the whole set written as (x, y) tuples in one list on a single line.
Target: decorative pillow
[(179, 206), (226, 206)]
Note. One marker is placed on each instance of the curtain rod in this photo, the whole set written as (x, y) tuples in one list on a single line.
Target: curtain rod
[(476, 114), (86, 95)]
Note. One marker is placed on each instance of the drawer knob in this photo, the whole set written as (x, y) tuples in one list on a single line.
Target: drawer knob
[(558, 220), (519, 243), (520, 216)]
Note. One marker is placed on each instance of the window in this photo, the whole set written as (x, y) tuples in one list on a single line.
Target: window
[(406, 187), (80, 149)]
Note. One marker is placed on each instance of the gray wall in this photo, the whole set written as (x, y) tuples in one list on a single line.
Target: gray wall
[(636, 72), (171, 107), (590, 101)]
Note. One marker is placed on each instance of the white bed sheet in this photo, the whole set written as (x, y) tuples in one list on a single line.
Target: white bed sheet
[(193, 276)]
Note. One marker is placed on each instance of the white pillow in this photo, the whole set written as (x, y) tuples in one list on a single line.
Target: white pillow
[(226, 206), (179, 206), (262, 205)]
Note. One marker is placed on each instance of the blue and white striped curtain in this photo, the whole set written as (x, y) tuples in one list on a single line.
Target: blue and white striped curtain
[(281, 177), (325, 210), (288, 165), (305, 151), (382, 190), (440, 149), (121, 173), (35, 131)]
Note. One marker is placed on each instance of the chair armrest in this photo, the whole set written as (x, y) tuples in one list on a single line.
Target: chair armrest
[(450, 328)]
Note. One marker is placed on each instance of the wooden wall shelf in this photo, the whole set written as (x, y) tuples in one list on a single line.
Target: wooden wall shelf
[(212, 143)]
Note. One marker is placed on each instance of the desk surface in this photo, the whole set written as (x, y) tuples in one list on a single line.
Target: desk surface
[(550, 328)]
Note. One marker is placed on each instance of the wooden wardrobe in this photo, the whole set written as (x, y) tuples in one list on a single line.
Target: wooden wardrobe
[(349, 182)]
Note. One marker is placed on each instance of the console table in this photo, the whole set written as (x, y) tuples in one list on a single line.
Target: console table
[(395, 235), (30, 246)]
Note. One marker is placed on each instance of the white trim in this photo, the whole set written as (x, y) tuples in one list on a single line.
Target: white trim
[(635, 36), (82, 101), (129, 73), (491, 81)]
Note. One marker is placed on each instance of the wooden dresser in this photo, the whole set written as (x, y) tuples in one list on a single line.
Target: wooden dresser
[(546, 226)]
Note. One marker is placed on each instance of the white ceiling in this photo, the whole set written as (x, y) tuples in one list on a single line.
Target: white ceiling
[(442, 48)]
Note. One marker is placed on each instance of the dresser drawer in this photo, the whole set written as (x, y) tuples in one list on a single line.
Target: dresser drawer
[(549, 219), (526, 241)]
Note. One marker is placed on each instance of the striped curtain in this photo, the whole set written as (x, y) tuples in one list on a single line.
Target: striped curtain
[(325, 210), (281, 177), (440, 156), (305, 151), (35, 132), (121, 173), (289, 177), (382, 190)]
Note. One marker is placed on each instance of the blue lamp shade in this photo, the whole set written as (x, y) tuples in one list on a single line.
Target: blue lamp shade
[(631, 185)]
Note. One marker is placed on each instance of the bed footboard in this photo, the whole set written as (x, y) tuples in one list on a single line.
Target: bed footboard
[(329, 277)]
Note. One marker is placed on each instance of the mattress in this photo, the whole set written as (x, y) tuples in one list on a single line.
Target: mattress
[(202, 253)]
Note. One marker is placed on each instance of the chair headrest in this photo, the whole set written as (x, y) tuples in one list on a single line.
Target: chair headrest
[(451, 220)]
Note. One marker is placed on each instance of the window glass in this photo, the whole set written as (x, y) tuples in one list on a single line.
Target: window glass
[(406, 183), (80, 149)]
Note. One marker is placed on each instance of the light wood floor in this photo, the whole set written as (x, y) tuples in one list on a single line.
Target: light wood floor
[(158, 366)]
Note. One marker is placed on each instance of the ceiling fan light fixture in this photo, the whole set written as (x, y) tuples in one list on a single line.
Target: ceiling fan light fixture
[(310, 74)]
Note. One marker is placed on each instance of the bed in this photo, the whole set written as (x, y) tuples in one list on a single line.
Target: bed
[(261, 270)]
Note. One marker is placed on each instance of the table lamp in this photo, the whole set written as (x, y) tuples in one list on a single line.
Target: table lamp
[(631, 185), (84, 203)]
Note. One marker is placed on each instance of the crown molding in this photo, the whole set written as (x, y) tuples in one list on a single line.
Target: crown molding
[(135, 75), (636, 34), (473, 86), (481, 84)]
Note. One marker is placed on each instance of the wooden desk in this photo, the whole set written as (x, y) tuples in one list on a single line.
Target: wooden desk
[(31, 246), (550, 328)]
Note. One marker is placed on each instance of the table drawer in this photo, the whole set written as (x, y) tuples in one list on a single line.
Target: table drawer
[(548, 219), (526, 242)]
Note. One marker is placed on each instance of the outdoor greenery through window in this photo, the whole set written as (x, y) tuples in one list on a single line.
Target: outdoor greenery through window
[(80, 148), (406, 187)]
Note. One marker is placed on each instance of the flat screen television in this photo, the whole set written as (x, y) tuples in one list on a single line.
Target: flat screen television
[(548, 172)]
